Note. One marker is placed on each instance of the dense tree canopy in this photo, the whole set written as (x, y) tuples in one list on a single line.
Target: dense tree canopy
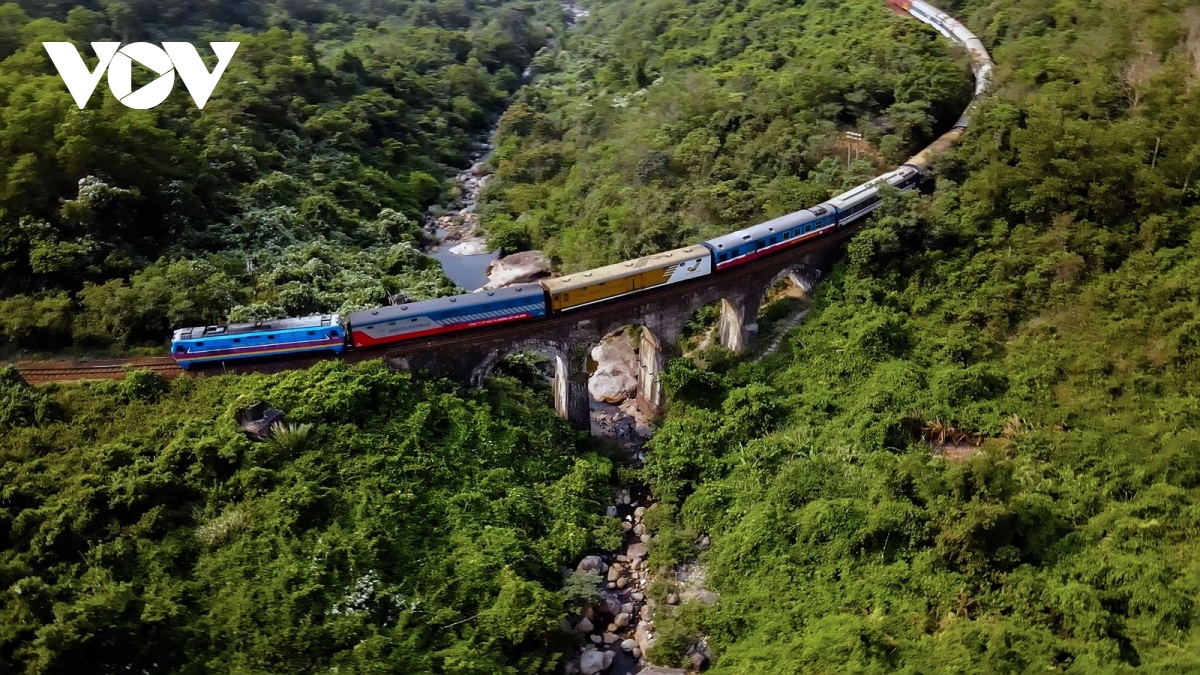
[(979, 453), (1032, 323), (390, 525), (664, 122), (335, 123)]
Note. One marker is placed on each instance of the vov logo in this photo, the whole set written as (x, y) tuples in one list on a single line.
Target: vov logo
[(172, 57)]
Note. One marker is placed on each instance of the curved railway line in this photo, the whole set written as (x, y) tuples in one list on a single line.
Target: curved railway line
[(42, 372)]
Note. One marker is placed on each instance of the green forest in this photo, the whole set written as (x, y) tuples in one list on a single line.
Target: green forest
[(979, 453), (300, 187)]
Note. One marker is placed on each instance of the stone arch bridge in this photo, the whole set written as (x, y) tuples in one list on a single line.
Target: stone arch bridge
[(661, 313)]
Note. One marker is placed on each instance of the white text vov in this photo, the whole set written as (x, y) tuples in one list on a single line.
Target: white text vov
[(118, 61)]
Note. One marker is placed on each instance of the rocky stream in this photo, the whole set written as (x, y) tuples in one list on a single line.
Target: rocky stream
[(617, 628)]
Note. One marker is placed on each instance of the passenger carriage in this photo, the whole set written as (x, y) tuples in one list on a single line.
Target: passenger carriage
[(442, 315), (752, 243)]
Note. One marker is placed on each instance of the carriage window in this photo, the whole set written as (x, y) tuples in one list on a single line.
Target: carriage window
[(270, 337), (180, 349), (199, 344), (237, 339)]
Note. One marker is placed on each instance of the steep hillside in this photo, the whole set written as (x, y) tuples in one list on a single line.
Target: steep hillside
[(981, 451)]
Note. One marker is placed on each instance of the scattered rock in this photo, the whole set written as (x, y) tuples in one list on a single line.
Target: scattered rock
[(517, 268), (592, 662), (638, 597), (592, 563), (596, 639), (622, 620), (611, 511), (672, 599), (637, 551), (612, 605), (639, 512), (257, 420), (610, 638), (646, 538), (644, 635), (629, 645), (639, 529), (584, 625), (647, 613), (615, 571), (622, 582), (478, 168)]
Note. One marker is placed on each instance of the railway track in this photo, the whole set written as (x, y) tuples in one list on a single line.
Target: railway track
[(43, 372)]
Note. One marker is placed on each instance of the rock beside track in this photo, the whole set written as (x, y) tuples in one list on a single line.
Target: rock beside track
[(518, 268)]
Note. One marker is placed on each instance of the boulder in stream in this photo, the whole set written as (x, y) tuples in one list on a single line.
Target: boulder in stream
[(616, 376), (518, 268)]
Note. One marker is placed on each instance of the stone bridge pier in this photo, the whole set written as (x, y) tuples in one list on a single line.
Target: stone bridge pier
[(661, 314)]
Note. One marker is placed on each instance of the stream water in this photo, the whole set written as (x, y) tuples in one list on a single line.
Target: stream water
[(620, 617), (462, 252)]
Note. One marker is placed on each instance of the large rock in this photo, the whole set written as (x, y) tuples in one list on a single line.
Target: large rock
[(518, 268), (616, 376), (471, 247), (592, 563), (258, 420), (591, 662)]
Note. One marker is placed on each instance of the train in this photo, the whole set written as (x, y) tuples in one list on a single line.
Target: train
[(329, 334)]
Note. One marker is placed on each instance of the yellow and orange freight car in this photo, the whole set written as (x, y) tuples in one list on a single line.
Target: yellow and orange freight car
[(584, 288)]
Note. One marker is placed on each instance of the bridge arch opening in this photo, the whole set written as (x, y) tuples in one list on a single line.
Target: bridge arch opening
[(624, 369), (786, 299), (539, 367), (714, 331)]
